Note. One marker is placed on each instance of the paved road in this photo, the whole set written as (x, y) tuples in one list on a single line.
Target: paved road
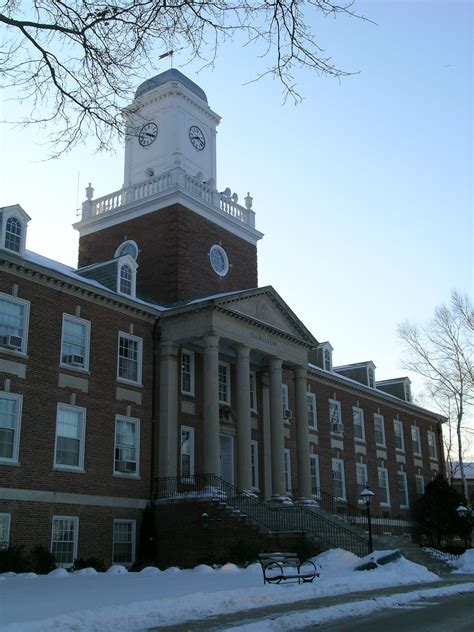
[(446, 614), (223, 622)]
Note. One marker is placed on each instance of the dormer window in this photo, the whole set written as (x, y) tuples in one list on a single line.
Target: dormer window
[(126, 279), (13, 231), (327, 359), (13, 223), (370, 377)]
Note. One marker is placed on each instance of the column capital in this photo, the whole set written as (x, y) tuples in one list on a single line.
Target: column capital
[(243, 352), (211, 340), (275, 364), (169, 349), (300, 373)]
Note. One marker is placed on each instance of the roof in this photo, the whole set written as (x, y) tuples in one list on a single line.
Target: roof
[(394, 380), (170, 75), (355, 365)]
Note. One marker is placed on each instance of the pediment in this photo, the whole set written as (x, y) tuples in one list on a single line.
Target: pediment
[(268, 308)]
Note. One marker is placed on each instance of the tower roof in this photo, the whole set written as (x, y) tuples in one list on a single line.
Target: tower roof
[(170, 75)]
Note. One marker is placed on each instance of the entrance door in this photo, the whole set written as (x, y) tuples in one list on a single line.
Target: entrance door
[(227, 458)]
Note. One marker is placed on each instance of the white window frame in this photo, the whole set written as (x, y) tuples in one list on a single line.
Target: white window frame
[(17, 429), (312, 411), (129, 261), (189, 430), (420, 489), (6, 519), (370, 377), (133, 523), (128, 243), (139, 341), (75, 521), (285, 402), (82, 440), (384, 472), (253, 392), (432, 446), (327, 359), (340, 470), (403, 476), (25, 305), (356, 410), (190, 355), (287, 461), (398, 424), (361, 479), (381, 430), (315, 475), (136, 422), (227, 399), (335, 427), (417, 433), (23, 223), (87, 337), (254, 464)]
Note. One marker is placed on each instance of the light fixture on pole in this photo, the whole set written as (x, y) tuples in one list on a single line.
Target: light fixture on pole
[(465, 513), (366, 496)]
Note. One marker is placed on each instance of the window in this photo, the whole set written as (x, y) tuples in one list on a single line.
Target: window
[(187, 372), (13, 231), (10, 421), (70, 435), (358, 421), (384, 493), (312, 417), (415, 440), (127, 446), (253, 391), (420, 485), (126, 280), (75, 342), (338, 479), (407, 391), (335, 418), (14, 314), (129, 358), (254, 463), (124, 542), (432, 445), (284, 398), (379, 425), (314, 472), (398, 433), (219, 260), (361, 478), (327, 360), (287, 471), (64, 540), (187, 451), (127, 248), (402, 489), (224, 383), (4, 530), (371, 377)]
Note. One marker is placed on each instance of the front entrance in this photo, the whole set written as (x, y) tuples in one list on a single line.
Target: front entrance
[(227, 458)]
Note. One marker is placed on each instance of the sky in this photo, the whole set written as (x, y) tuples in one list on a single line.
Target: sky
[(364, 190), (117, 600)]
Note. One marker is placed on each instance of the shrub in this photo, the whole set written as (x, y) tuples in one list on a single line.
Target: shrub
[(42, 560), (14, 559), (89, 562)]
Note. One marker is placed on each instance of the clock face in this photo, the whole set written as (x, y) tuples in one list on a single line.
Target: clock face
[(147, 134), (197, 138)]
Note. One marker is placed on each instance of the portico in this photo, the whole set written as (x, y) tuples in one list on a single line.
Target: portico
[(251, 331)]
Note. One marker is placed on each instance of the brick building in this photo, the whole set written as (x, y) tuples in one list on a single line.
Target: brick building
[(160, 359)]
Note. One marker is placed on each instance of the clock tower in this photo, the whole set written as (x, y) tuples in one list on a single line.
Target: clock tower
[(186, 239)]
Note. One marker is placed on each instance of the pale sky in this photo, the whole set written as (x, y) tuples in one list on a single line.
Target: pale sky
[(364, 191)]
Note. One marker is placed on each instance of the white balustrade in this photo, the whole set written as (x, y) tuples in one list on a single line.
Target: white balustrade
[(176, 178)]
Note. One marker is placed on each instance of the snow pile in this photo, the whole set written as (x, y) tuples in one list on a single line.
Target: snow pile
[(465, 562), (119, 601)]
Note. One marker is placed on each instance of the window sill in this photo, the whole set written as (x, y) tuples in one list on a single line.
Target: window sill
[(14, 352), (135, 477), (122, 380), (253, 412), (313, 429), (14, 463), (434, 459), (186, 394), (337, 434), (381, 445), (385, 504), (401, 450), (64, 468), (358, 440), (76, 369)]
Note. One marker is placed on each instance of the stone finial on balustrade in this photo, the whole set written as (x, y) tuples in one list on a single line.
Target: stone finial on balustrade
[(248, 201), (235, 198), (87, 205), (227, 192), (89, 192)]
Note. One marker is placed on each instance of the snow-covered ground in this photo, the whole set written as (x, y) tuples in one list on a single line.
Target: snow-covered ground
[(120, 601)]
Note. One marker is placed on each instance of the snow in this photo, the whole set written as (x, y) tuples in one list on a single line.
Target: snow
[(465, 562), (123, 601)]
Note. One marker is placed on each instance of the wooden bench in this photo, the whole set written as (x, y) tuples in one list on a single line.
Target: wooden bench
[(278, 567)]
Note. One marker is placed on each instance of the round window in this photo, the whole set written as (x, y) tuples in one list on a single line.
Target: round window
[(127, 248), (219, 260)]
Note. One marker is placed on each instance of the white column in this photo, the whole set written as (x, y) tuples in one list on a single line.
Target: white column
[(211, 405), (168, 422), (302, 433), (244, 428), (277, 428), (267, 450)]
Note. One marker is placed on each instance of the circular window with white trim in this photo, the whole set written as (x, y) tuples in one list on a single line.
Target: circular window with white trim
[(219, 260), (128, 247)]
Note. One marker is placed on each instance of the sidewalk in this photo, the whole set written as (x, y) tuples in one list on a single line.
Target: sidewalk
[(249, 616)]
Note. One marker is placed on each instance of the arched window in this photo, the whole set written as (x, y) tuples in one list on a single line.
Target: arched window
[(127, 248), (13, 234), (126, 279)]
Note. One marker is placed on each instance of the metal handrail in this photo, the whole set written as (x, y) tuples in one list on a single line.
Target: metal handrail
[(277, 519)]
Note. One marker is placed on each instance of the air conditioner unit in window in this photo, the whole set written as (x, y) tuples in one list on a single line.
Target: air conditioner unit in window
[(12, 342), (287, 414), (74, 360), (126, 466), (337, 428)]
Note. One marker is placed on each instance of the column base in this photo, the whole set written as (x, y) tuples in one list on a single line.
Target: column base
[(250, 492), (281, 499), (309, 502)]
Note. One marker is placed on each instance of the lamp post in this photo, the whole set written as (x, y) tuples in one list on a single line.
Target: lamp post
[(366, 495), (465, 513)]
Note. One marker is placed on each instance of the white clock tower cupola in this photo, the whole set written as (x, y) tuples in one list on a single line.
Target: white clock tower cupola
[(169, 125)]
